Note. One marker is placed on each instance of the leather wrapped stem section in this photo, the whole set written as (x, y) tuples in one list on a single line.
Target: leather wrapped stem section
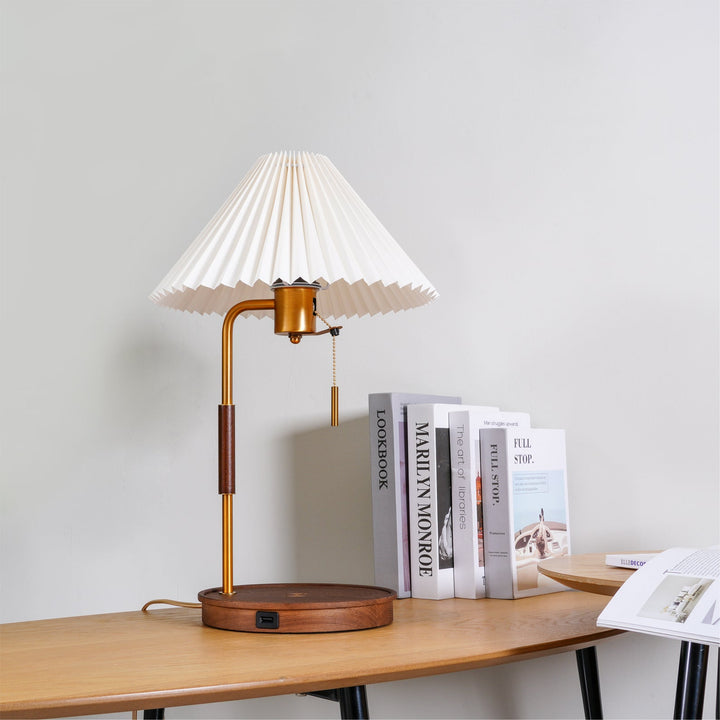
[(226, 449)]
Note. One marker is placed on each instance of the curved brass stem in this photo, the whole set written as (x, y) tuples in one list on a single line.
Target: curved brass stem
[(227, 344), (227, 388), (294, 316)]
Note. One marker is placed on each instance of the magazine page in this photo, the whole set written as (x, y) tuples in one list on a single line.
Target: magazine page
[(675, 594)]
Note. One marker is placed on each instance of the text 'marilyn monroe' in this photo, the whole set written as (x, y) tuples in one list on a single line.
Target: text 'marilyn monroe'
[(424, 495)]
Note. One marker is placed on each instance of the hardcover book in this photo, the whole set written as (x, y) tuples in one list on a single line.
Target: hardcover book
[(430, 500), (525, 512), (388, 468), (465, 470)]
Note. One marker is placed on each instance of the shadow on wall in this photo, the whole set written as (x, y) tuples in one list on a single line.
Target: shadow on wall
[(333, 505)]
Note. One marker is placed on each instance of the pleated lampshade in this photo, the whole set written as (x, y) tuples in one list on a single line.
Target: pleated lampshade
[(294, 217)]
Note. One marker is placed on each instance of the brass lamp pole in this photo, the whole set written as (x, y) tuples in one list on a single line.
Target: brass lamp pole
[(294, 311)]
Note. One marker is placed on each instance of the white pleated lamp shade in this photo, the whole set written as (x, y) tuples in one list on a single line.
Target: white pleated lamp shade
[(294, 217)]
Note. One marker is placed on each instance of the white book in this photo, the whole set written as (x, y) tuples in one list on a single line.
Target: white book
[(525, 511), (430, 500), (466, 474), (388, 468)]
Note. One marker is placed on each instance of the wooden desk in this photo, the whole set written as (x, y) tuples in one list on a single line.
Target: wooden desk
[(163, 658)]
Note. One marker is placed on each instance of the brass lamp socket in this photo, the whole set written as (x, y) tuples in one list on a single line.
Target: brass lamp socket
[(295, 309)]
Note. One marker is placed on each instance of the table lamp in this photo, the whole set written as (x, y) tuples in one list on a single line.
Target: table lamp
[(294, 241)]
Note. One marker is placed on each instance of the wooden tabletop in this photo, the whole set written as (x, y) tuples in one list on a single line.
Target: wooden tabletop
[(585, 572), (167, 657)]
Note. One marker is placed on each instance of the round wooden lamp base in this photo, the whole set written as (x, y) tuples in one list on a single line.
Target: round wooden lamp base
[(297, 608)]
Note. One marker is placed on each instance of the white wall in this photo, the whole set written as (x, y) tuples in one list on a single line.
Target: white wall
[(552, 165)]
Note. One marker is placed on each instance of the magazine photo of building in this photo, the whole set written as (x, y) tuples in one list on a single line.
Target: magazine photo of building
[(675, 598)]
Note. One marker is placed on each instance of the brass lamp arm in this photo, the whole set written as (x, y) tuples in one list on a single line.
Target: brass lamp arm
[(227, 342), (294, 310), (226, 436)]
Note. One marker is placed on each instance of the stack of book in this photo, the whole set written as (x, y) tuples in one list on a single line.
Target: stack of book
[(467, 499)]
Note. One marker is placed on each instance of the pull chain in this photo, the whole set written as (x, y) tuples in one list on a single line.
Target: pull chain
[(334, 390)]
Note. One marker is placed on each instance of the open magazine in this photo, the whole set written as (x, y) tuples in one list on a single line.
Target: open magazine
[(675, 594)]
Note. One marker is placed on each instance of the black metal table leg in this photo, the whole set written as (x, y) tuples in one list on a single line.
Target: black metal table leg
[(682, 673), (352, 700), (353, 703), (589, 682), (692, 672)]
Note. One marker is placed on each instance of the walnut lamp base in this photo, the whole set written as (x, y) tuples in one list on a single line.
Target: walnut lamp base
[(297, 608)]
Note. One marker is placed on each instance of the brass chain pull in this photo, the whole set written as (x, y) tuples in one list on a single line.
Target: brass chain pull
[(334, 390)]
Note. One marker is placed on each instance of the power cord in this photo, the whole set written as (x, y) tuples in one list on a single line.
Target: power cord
[(176, 603)]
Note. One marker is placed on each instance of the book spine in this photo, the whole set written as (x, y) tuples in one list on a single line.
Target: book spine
[(478, 530), (497, 510), (431, 570), (388, 495), (631, 561), (463, 506)]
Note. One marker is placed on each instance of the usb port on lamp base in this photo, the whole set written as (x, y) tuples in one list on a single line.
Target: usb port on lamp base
[(267, 619)]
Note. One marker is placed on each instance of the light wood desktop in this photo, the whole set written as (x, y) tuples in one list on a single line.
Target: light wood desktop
[(167, 657), (586, 572)]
